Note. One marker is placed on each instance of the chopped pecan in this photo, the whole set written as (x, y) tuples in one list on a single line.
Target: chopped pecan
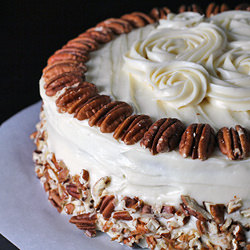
[(201, 226), (85, 221), (63, 175), (151, 242), (163, 135), (192, 8), (122, 215), (69, 208), (99, 34), (132, 129), (193, 208), (107, 206), (245, 212), (216, 210), (168, 211), (55, 199), (61, 67), (235, 143), (62, 81), (138, 19), (234, 205), (197, 141), (100, 186), (72, 189), (213, 9), (75, 97), (117, 25), (160, 13), (84, 177), (146, 209), (89, 108), (133, 203)]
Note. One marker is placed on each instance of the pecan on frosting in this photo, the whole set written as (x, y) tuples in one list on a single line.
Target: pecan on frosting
[(235, 143), (138, 19), (198, 141), (110, 116), (52, 71), (76, 96), (160, 13), (133, 128), (192, 7), (163, 135), (214, 9)]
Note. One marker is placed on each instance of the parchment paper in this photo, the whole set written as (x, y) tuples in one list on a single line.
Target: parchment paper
[(27, 219)]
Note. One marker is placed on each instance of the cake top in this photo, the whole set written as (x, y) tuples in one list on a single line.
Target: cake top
[(180, 61)]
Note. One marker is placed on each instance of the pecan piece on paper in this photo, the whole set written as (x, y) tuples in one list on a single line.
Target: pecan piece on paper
[(235, 143), (110, 116), (85, 222), (61, 67), (163, 135), (160, 13), (214, 9), (133, 128), (197, 141), (89, 108), (74, 97), (138, 19)]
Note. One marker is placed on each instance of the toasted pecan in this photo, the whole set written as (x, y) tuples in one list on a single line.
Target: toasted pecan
[(235, 143), (192, 7), (198, 141), (163, 135), (138, 19), (214, 9), (133, 128), (160, 13)]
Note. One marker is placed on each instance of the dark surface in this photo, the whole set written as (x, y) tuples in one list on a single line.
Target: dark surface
[(32, 30)]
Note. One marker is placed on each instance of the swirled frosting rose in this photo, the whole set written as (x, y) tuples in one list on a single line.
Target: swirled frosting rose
[(179, 83), (217, 45)]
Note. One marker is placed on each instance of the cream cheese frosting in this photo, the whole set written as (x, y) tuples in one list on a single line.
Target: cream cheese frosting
[(187, 67)]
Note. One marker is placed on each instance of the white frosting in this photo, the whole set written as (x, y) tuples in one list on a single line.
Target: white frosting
[(189, 73)]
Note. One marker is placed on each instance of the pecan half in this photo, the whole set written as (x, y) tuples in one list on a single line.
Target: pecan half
[(138, 19), (99, 34), (163, 135), (110, 116), (107, 206), (160, 13), (89, 108), (62, 81), (117, 25), (214, 9), (197, 141), (235, 143), (68, 53), (52, 71), (133, 128), (192, 8), (193, 208), (74, 97), (85, 221), (243, 6)]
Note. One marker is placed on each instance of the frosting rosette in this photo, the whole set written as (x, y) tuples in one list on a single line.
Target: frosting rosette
[(194, 44), (230, 80), (179, 83), (235, 23)]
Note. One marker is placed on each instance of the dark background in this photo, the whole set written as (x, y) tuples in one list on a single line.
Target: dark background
[(32, 30)]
